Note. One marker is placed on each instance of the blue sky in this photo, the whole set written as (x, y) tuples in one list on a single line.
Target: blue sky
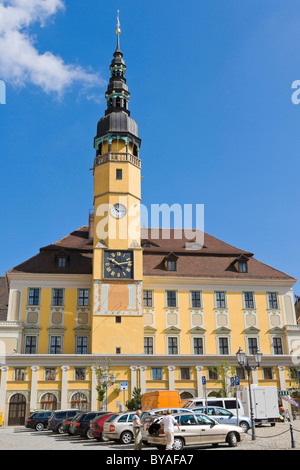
[(210, 87)]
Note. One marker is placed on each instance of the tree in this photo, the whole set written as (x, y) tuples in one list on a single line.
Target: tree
[(222, 372), (136, 402)]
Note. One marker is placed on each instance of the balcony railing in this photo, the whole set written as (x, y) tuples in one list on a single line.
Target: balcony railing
[(118, 157)]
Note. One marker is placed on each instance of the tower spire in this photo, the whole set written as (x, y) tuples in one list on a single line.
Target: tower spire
[(118, 31)]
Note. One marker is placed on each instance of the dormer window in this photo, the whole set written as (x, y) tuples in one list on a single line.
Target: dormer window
[(171, 265), (242, 267), (240, 264), (171, 262), (62, 262)]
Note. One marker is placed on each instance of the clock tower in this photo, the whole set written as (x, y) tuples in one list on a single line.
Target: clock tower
[(117, 322)]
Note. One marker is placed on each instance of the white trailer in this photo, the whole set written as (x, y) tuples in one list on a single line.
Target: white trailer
[(264, 403)]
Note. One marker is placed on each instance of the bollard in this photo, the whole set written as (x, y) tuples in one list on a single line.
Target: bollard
[(292, 436)]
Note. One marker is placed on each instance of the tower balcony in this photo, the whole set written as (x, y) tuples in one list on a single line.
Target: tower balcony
[(117, 157)]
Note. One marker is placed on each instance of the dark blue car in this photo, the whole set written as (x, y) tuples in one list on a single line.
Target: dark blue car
[(38, 420)]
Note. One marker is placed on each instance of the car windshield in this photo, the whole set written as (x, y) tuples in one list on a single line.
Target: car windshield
[(204, 419)]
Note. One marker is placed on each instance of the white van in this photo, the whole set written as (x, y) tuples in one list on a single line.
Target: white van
[(226, 402)]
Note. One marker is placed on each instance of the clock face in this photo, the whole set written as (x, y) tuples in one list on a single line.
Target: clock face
[(118, 211), (118, 264)]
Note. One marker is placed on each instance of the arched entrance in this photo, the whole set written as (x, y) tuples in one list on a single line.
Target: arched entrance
[(17, 410), (49, 402), (185, 396)]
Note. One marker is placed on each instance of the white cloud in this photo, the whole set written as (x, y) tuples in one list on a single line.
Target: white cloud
[(22, 63)]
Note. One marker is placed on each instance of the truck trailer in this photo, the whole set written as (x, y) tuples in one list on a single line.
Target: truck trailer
[(264, 403)]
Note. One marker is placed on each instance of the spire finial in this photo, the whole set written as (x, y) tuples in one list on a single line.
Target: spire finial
[(118, 31), (118, 23)]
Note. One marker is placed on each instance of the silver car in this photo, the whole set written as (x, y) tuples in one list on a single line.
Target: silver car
[(195, 429), (224, 416), (147, 418), (119, 427)]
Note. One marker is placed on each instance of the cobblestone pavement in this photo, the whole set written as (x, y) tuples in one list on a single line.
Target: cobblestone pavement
[(20, 438)]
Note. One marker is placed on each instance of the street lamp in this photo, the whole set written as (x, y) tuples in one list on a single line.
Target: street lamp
[(243, 362), (107, 381)]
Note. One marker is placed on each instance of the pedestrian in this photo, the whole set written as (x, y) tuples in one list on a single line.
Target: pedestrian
[(137, 430), (167, 423)]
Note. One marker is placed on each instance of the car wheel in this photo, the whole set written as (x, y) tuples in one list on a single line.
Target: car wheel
[(39, 427), (232, 439), (89, 434), (103, 438), (126, 437), (60, 429), (244, 425), (178, 443)]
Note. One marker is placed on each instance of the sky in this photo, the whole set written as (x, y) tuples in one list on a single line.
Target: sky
[(211, 90)]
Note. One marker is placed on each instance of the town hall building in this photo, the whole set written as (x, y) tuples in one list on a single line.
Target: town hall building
[(153, 312)]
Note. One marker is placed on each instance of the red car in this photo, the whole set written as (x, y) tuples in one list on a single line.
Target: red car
[(96, 427)]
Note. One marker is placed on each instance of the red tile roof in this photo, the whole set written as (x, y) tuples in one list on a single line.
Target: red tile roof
[(214, 260)]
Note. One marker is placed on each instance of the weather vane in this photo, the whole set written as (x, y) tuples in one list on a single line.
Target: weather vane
[(118, 23)]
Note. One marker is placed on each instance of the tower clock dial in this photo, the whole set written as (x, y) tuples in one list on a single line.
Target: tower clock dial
[(118, 211), (118, 264)]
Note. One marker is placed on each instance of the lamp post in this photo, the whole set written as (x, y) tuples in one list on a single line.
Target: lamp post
[(243, 362), (107, 381)]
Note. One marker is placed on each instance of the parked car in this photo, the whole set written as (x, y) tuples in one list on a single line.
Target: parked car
[(96, 427), (82, 423), (229, 403), (119, 427), (223, 416), (38, 420), (67, 423), (195, 429), (149, 417), (146, 418), (55, 422)]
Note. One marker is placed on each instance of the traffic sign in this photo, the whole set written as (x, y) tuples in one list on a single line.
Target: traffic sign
[(232, 381), (237, 380), (124, 386), (203, 380)]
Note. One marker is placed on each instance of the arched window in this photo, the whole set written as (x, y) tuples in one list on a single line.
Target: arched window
[(49, 402), (186, 395), (135, 150), (118, 102), (79, 401)]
